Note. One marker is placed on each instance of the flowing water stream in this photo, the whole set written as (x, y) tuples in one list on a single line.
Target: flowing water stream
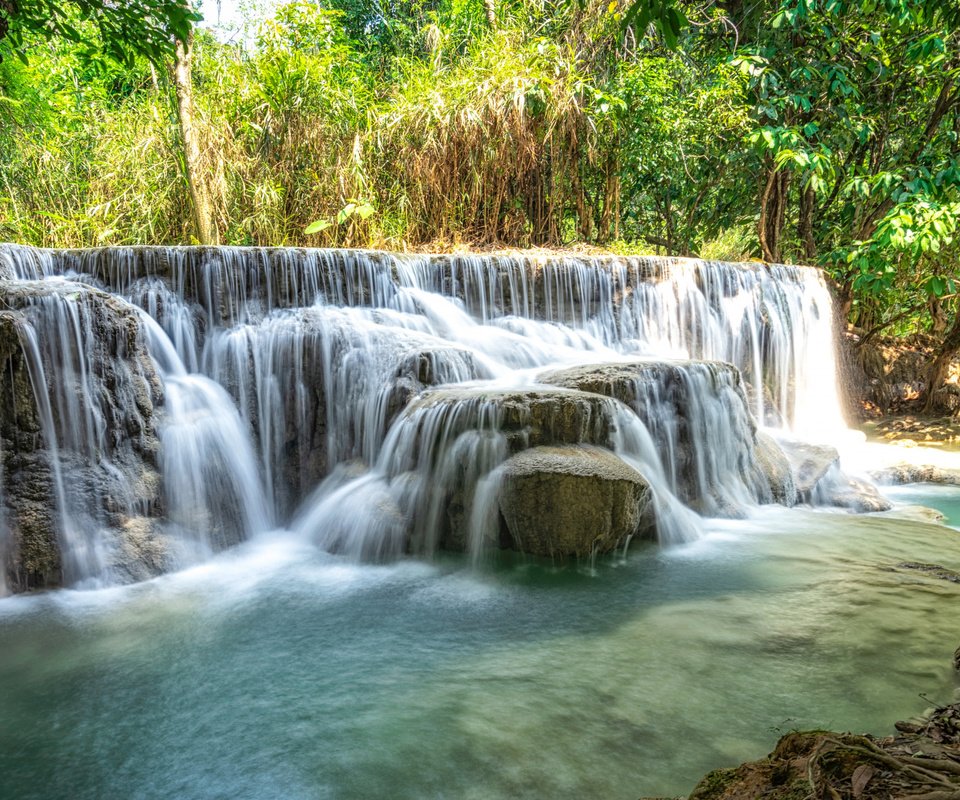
[(304, 419), (277, 671)]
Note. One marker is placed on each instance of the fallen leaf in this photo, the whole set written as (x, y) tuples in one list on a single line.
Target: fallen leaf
[(861, 777)]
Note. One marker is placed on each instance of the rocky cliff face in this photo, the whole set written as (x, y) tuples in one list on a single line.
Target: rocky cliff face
[(78, 437)]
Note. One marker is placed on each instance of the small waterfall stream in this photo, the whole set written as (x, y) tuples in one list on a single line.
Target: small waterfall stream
[(372, 401), (79, 537)]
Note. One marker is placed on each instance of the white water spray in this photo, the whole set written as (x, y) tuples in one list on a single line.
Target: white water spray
[(292, 374)]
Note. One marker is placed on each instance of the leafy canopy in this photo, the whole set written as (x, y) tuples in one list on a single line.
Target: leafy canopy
[(121, 30)]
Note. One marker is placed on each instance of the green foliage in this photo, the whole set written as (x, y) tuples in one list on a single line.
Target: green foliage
[(121, 30), (732, 244), (857, 102), (353, 212), (664, 15), (830, 125)]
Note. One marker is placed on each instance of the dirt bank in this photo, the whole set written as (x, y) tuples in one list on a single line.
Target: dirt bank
[(885, 378), (921, 761)]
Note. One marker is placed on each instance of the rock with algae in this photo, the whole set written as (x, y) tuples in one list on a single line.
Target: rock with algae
[(920, 762), (571, 501), (101, 405)]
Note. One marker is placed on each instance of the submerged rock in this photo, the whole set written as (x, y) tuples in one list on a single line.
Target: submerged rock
[(844, 491), (809, 463), (918, 513), (570, 501), (933, 570), (797, 471), (917, 473)]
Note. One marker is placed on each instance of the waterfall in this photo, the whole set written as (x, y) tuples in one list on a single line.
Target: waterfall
[(212, 488), (77, 428), (633, 443), (5, 536), (373, 401), (774, 323), (320, 386)]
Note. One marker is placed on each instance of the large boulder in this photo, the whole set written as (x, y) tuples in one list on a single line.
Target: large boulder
[(441, 450), (697, 414), (798, 471), (844, 491), (526, 418), (79, 478), (570, 501), (809, 463), (628, 381), (776, 470), (819, 479)]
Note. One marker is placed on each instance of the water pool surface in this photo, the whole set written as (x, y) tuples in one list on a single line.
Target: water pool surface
[(279, 671)]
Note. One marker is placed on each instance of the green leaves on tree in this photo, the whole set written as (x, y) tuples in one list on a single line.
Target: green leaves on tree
[(359, 209), (120, 30)]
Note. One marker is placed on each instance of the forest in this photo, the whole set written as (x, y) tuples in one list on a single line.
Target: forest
[(819, 132), (479, 399)]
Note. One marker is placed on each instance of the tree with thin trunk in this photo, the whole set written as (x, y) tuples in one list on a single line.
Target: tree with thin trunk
[(490, 6), (937, 374), (200, 198)]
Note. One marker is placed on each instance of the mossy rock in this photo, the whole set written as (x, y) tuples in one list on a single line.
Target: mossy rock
[(570, 501), (533, 418)]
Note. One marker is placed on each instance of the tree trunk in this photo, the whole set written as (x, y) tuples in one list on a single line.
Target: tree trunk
[(491, 8), (773, 212), (808, 205), (584, 211), (845, 298), (941, 364), (611, 194), (938, 316), (199, 193)]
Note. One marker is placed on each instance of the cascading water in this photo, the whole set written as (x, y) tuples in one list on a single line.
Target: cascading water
[(4, 534), (320, 386), (699, 421), (57, 332), (303, 385), (376, 406), (212, 489), (634, 444)]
